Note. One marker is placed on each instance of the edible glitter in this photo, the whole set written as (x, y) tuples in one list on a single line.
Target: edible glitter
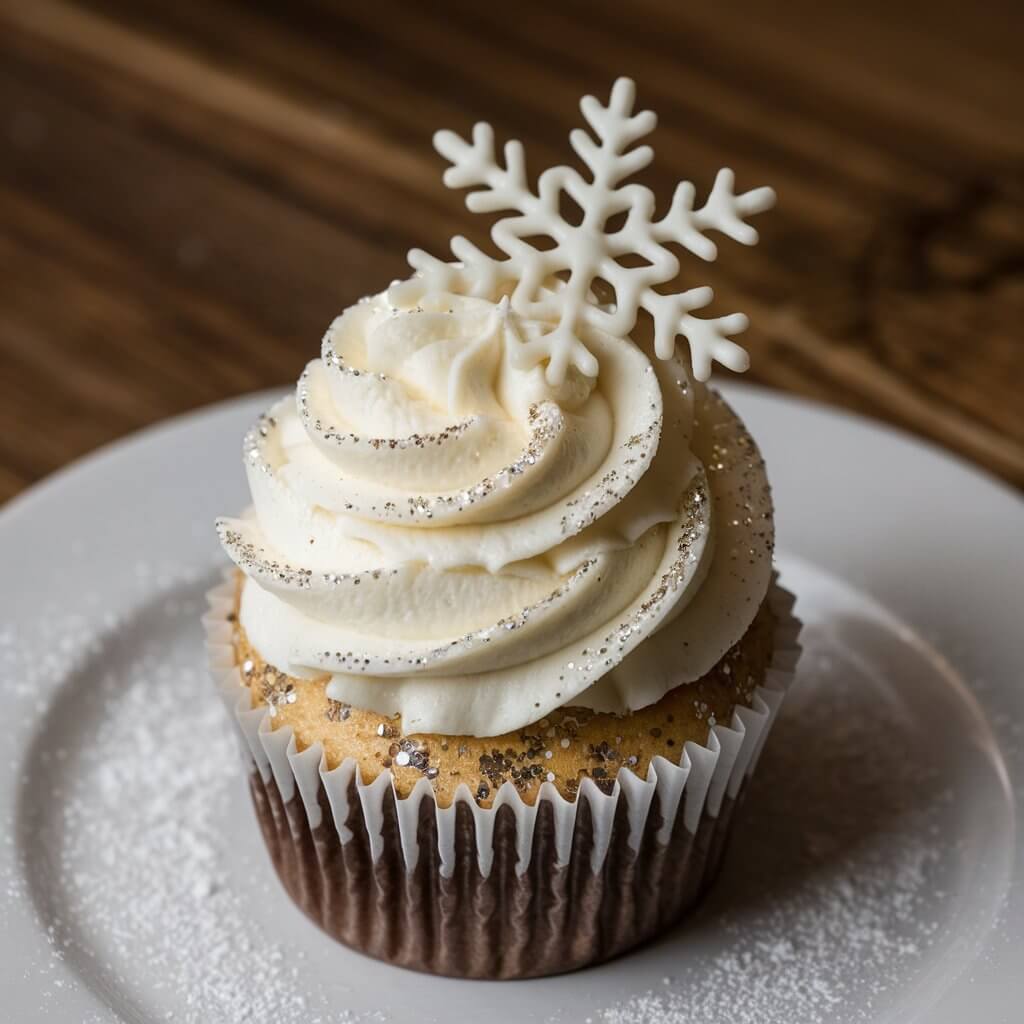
[(337, 711), (276, 690), (333, 436)]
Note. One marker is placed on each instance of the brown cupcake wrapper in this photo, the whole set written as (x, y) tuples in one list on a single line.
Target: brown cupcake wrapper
[(510, 891)]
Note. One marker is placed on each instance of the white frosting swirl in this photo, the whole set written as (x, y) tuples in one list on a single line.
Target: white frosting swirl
[(456, 541)]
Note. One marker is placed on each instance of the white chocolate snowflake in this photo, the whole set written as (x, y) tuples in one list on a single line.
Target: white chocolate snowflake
[(556, 285)]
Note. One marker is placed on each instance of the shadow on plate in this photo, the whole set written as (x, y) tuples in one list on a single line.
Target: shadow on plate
[(878, 737)]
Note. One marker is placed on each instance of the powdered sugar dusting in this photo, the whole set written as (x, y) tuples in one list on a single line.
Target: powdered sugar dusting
[(138, 880), (822, 958)]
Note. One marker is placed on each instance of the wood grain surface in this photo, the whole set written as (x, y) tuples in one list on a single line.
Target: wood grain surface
[(189, 192)]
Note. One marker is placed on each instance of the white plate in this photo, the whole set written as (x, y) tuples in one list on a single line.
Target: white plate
[(880, 884)]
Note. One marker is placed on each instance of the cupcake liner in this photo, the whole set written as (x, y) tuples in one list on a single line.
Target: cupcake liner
[(514, 890)]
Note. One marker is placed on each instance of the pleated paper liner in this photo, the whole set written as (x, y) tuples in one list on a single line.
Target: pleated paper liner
[(510, 891)]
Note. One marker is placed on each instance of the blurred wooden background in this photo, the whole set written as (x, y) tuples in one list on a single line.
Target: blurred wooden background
[(189, 192)]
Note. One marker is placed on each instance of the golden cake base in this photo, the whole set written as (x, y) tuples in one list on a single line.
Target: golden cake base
[(563, 748)]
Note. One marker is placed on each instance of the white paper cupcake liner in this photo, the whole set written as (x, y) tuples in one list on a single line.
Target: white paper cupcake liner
[(326, 814)]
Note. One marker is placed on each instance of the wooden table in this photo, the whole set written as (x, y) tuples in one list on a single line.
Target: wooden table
[(189, 192)]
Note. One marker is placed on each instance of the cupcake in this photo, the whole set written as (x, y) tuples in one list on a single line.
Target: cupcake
[(502, 637)]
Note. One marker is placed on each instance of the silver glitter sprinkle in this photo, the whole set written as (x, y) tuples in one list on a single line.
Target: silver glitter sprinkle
[(255, 562), (337, 363), (277, 691), (331, 435), (354, 661)]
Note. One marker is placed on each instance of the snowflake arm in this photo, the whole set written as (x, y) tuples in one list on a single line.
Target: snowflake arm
[(554, 286), (723, 211), (708, 339)]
